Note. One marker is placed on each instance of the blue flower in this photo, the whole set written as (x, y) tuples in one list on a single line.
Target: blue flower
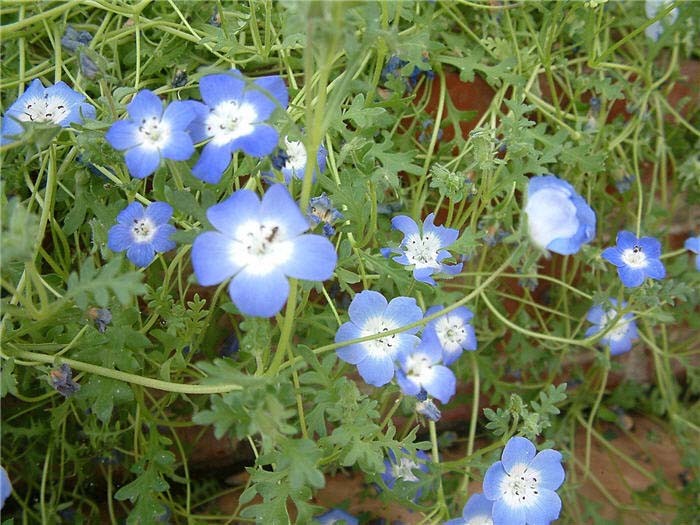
[(260, 244), (142, 232), (424, 249), (336, 517), (558, 218), (619, 337), (321, 211), (420, 371), (693, 244), (291, 160), (426, 408), (651, 8), (403, 468), (57, 104), (636, 259), (452, 332), (150, 134), (522, 485), (369, 315), (233, 116), (5, 487), (73, 39), (477, 511)]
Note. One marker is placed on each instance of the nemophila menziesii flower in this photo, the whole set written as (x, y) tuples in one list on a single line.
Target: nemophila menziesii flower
[(693, 244), (420, 370), (451, 332), (233, 117), (260, 244), (558, 218), (142, 232), (652, 8), (370, 314), (424, 248), (619, 338), (291, 160), (403, 468), (336, 517), (477, 511), (522, 484), (321, 211), (57, 104), (151, 134), (636, 259), (5, 487)]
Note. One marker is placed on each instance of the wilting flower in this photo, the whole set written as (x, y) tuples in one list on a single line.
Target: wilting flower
[(452, 332), (336, 517), (636, 259), (370, 314), (426, 408), (652, 7), (477, 511), (233, 118), (151, 134), (420, 371), (402, 469), (291, 160), (693, 244), (101, 317), (62, 380), (57, 104), (142, 232), (522, 485), (619, 337), (5, 487), (260, 244), (321, 211), (558, 218), (73, 39), (424, 250)]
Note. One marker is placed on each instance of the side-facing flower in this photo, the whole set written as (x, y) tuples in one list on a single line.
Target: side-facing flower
[(260, 244), (423, 248), (652, 8), (477, 511), (693, 244), (142, 232), (619, 338), (336, 517), (636, 259), (321, 211), (291, 160), (370, 314), (62, 380), (522, 485), (233, 118), (452, 332), (558, 218), (57, 104), (5, 487), (402, 469), (151, 134), (420, 371)]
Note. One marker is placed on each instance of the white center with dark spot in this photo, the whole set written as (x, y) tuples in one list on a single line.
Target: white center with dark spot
[(153, 132), (261, 247), (384, 345), (451, 332), (143, 230), (422, 251), (634, 257), (296, 153), (520, 486), (45, 109), (619, 330), (419, 368), (404, 470), (229, 121)]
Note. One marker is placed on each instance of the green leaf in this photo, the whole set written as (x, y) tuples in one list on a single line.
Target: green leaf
[(103, 393), (100, 284), (8, 382)]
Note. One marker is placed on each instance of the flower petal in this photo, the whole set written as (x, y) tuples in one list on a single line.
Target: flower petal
[(478, 505), (518, 450), (221, 87), (631, 277), (366, 305), (550, 470), (442, 383), (408, 387), (626, 240), (263, 103), (259, 295), (119, 238), (213, 259), (238, 209), (141, 253), (178, 147), (314, 258), (651, 247), (405, 225), (212, 163), (179, 114), (503, 514), (544, 509), (275, 86), (159, 212), (613, 255), (161, 240), (145, 105), (403, 311), (259, 143), (655, 269), (122, 135), (142, 161), (376, 369), (133, 212), (279, 207), (492, 480)]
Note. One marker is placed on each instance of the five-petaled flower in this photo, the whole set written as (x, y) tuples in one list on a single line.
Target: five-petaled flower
[(57, 104), (452, 332), (558, 218), (371, 315), (291, 160), (636, 259), (693, 244), (619, 337), (151, 134), (477, 511), (142, 232), (522, 484), (402, 469), (259, 244), (420, 371), (233, 118), (424, 248)]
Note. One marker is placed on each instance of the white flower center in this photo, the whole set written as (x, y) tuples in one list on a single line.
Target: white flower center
[(423, 251), (551, 215), (229, 121), (451, 332), (520, 487), (48, 108), (619, 330), (383, 345), (143, 230), (153, 132), (419, 369), (634, 257), (296, 153), (404, 470), (261, 247)]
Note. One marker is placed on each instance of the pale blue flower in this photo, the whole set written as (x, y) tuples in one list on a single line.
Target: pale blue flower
[(619, 338), (452, 332), (522, 485), (558, 218), (151, 134), (5, 487), (336, 517), (636, 259), (258, 245), (477, 511), (420, 370), (404, 468), (652, 8), (693, 244), (291, 160)]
